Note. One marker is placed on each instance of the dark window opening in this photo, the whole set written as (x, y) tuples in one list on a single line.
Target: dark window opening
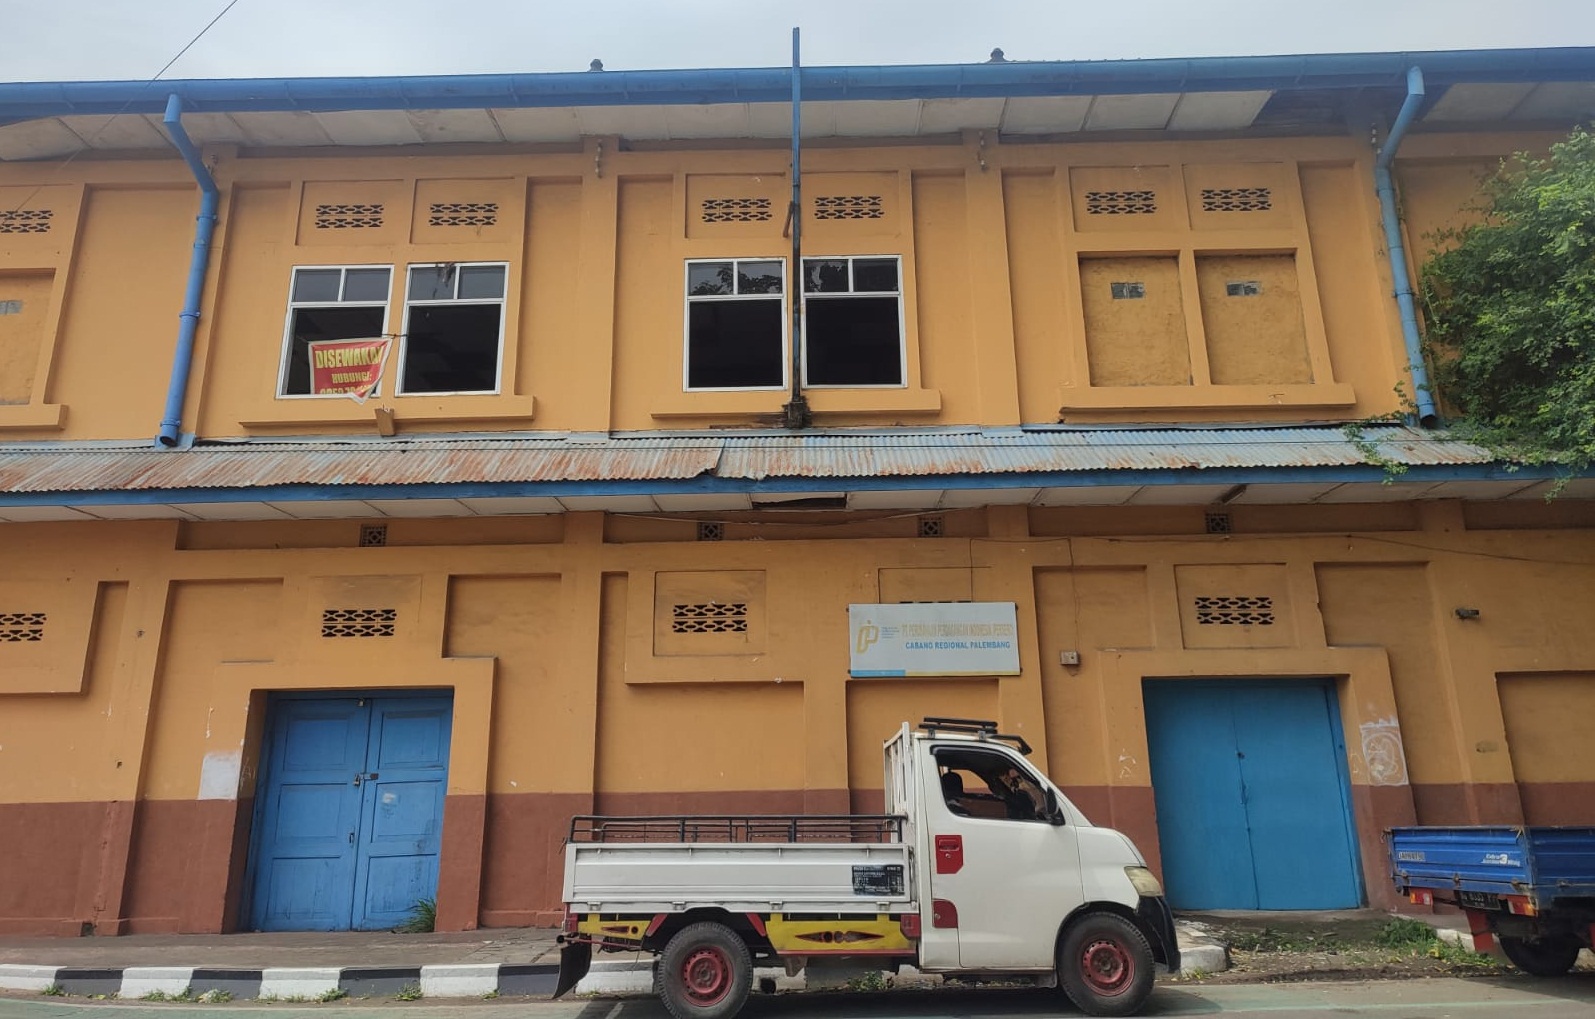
[(335, 303), (1127, 291), (311, 325), (853, 341), (736, 317), (852, 323), (452, 349), (734, 344), (454, 328)]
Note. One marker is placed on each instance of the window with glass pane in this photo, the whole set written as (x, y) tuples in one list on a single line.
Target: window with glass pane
[(453, 328), (736, 324), (331, 303), (853, 322)]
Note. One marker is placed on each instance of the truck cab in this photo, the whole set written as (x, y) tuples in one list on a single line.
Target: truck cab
[(980, 866)]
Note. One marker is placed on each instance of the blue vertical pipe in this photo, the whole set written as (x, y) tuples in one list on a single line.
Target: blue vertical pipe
[(188, 319), (1385, 185)]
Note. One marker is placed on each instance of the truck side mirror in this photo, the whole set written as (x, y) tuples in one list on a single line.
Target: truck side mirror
[(1054, 812)]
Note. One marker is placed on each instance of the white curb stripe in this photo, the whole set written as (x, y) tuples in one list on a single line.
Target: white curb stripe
[(26, 978), (297, 983), (459, 981), (138, 981)]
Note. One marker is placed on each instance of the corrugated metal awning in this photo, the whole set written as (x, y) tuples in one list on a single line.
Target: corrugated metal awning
[(921, 468)]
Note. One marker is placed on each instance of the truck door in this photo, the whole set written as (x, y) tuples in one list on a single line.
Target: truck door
[(1002, 872)]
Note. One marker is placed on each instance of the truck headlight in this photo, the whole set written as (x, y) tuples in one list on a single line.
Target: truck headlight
[(1145, 883)]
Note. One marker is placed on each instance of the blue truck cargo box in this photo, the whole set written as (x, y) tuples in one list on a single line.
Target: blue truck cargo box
[(1543, 864)]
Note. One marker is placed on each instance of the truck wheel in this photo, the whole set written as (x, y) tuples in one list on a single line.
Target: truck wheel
[(1105, 965), (705, 972), (1543, 957)]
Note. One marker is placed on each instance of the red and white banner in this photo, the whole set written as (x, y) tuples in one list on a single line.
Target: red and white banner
[(347, 367)]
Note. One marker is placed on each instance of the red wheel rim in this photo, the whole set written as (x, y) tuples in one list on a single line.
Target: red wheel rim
[(1108, 969), (706, 976)]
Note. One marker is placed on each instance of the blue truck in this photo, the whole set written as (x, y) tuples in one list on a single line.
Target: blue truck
[(1532, 890)]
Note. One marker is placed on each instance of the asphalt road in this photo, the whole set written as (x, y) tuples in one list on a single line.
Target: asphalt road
[(1567, 998)]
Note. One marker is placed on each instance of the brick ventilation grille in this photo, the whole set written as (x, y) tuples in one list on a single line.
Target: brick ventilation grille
[(373, 535), (1120, 203), (21, 627), (1237, 199), (710, 617), (358, 622), (463, 214), (348, 217), (1234, 610), (1217, 523), (736, 210), (849, 207), (711, 530), (930, 527), (26, 221)]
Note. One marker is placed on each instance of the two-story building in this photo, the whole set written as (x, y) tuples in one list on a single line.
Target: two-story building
[(1056, 436)]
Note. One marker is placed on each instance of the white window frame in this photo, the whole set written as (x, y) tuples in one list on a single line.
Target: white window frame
[(503, 312), (786, 320), (902, 318), (288, 324)]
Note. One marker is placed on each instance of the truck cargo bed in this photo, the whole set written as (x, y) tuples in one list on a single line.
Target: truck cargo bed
[(1541, 863), (795, 864)]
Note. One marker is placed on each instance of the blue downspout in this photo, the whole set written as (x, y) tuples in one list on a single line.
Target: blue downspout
[(1385, 185), (188, 320)]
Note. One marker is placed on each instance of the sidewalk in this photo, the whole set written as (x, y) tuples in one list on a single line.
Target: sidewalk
[(505, 961)]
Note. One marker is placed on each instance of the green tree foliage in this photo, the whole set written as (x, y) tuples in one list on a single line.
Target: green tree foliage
[(1511, 310)]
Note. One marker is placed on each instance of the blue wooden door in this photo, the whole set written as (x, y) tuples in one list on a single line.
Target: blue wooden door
[(1252, 797), (401, 815), (351, 816)]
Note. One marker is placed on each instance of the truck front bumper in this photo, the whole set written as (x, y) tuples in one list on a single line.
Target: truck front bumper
[(1157, 921)]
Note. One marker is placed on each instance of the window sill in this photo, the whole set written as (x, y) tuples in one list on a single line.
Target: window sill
[(405, 409), (821, 401), (20, 416), (1332, 395)]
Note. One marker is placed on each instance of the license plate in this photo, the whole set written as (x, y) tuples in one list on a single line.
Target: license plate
[(1478, 900)]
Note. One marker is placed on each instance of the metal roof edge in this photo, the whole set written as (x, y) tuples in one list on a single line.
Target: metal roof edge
[(709, 484), (707, 86)]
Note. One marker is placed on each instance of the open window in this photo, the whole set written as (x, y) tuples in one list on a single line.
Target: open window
[(983, 783), (853, 322), (453, 328), (736, 324), (330, 303)]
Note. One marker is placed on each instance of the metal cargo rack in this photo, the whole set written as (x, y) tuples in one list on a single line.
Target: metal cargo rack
[(738, 828)]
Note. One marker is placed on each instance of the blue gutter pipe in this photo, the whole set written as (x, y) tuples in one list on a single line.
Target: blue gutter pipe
[(188, 319), (1385, 185), (695, 87)]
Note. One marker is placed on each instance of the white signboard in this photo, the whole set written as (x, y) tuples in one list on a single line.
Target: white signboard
[(942, 639)]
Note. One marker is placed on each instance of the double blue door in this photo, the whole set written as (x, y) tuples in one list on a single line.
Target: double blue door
[(1252, 795), (350, 819)]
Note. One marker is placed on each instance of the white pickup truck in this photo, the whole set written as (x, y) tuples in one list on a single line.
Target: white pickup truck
[(980, 867)]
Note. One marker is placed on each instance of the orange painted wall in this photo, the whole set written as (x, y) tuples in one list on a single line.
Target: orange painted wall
[(993, 301)]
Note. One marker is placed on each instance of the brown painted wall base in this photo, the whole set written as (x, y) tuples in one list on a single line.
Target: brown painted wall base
[(185, 869)]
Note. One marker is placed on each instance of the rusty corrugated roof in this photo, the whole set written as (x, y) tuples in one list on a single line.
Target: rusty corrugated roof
[(731, 456)]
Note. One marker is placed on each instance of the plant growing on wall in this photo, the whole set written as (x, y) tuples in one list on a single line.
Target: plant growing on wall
[(1510, 304)]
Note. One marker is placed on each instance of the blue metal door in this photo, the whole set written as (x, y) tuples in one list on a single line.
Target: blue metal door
[(350, 818), (1253, 804)]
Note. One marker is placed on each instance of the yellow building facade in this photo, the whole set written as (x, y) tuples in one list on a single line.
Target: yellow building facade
[(1086, 351)]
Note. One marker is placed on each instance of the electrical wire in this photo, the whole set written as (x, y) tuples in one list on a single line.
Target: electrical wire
[(88, 143)]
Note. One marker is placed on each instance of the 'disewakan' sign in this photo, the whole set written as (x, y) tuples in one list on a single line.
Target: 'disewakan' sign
[(347, 367)]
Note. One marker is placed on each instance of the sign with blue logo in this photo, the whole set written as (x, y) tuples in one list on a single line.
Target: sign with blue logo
[(934, 639)]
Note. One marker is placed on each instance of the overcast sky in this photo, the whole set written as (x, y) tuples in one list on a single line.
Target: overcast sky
[(67, 40)]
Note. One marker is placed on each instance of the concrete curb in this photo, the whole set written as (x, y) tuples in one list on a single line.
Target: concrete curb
[(444, 981), (1199, 953)]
